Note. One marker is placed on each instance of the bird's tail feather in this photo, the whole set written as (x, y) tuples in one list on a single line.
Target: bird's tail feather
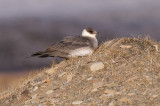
[(44, 55), (37, 53), (40, 54)]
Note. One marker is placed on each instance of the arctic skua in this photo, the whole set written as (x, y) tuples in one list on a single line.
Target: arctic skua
[(72, 46)]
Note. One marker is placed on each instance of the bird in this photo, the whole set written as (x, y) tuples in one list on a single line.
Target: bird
[(72, 46)]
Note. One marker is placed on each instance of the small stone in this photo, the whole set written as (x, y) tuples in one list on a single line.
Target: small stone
[(109, 91), (104, 96), (97, 83), (94, 90), (53, 101), (35, 88), (77, 102), (110, 95), (118, 93), (49, 92), (154, 96), (156, 46), (148, 77), (131, 94), (34, 96), (62, 74), (96, 66), (90, 78), (69, 77), (111, 85), (125, 46)]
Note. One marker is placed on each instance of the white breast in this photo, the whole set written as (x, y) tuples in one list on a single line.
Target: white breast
[(81, 52)]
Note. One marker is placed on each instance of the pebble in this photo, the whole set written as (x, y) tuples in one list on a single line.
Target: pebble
[(97, 83), (49, 92), (34, 96), (109, 91), (69, 77), (90, 78), (94, 90), (77, 102), (117, 93), (106, 96), (109, 95), (35, 88), (54, 101), (131, 94), (96, 66), (60, 75), (154, 96), (156, 46), (126, 46)]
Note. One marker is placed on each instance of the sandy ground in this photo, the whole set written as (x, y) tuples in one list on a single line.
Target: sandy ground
[(126, 72)]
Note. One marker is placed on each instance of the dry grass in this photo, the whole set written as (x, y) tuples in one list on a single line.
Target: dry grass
[(15, 84), (131, 73)]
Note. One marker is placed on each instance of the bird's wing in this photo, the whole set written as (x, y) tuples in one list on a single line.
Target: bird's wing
[(64, 47), (69, 43)]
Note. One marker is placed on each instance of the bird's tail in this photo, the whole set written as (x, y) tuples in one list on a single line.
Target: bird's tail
[(40, 54)]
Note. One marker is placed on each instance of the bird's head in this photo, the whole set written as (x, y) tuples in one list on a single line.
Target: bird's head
[(89, 32)]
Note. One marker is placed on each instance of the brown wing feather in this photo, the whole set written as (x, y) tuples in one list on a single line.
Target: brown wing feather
[(62, 48), (69, 43)]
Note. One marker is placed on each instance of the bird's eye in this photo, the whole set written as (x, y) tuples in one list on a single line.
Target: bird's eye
[(90, 31)]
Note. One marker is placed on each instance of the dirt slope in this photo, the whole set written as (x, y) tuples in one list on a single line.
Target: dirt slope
[(121, 72)]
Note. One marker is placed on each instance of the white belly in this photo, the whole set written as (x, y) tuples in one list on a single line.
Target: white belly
[(81, 52)]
